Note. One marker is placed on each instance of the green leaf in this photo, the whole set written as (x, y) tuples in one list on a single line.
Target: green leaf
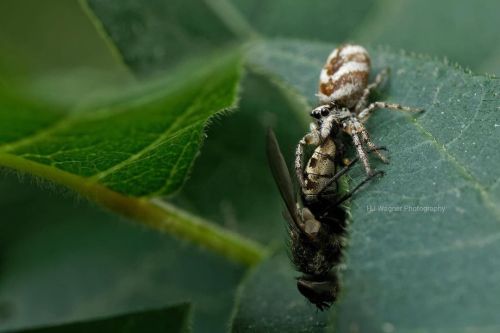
[(157, 34), (172, 319), (457, 29), (414, 269), (242, 191), (268, 301), (138, 145), (65, 262)]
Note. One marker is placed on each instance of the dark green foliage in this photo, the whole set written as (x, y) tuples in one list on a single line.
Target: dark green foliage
[(63, 261), (174, 319), (437, 264), (137, 146), (270, 302), (173, 71)]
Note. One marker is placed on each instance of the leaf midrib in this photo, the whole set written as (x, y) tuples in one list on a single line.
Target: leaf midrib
[(466, 174), (70, 120), (164, 137), (153, 144), (159, 215)]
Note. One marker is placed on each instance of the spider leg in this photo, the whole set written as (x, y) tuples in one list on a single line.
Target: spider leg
[(328, 175), (372, 86), (327, 126), (361, 152), (370, 144), (357, 187), (349, 194), (311, 138), (338, 175), (365, 114), (346, 168)]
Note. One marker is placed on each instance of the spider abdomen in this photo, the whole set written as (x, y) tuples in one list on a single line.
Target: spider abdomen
[(344, 76)]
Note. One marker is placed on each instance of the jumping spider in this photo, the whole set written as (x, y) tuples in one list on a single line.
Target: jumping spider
[(343, 94)]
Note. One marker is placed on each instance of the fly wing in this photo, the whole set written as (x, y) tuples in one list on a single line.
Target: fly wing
[(282, 177)]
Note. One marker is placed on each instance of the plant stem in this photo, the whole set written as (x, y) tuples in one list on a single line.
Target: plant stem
[(154, 213)]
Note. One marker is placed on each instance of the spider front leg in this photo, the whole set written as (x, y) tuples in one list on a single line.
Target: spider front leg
[(315, 137), (361, 152), (368, 178), (311, 138), (365, 114), (366, 139), (360, 137), (343, 171), (346, 168), (327, 126)]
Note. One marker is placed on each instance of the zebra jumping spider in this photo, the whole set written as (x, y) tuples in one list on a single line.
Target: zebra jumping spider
[(343, 94)]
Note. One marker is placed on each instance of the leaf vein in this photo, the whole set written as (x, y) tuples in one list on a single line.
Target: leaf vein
[(462, 169), (174, 170), (161, 138)]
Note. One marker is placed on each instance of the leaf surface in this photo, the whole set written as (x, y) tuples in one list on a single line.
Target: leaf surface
[(74, 263), (243, 197), (122, 150), (412, 265), (172, 319), (140, 145), (153, 35), (270, 302)]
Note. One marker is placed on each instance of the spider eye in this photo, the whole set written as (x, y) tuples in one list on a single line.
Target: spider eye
[(315, 114), (325, 112)]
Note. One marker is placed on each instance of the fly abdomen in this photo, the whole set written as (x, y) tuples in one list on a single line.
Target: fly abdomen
[(320, 168), (344, 76)]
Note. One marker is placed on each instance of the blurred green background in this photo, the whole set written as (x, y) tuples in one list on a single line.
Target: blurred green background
[(55, 37)]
